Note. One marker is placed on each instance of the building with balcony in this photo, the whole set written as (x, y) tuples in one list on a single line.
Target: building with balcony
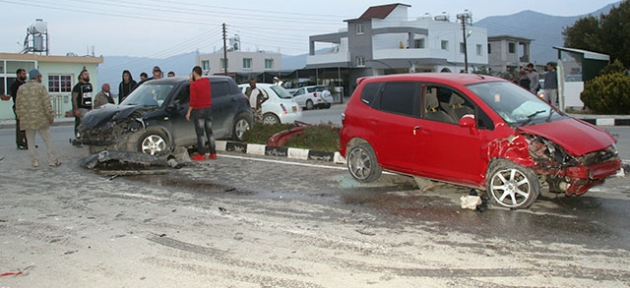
[(59, 75), (508, 53), (384, 41)]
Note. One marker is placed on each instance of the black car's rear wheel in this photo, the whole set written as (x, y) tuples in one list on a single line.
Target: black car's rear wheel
[(242, 123)]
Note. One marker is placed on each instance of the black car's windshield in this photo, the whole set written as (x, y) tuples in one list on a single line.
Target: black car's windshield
[(149, 94), (514, 104), (281, 92)]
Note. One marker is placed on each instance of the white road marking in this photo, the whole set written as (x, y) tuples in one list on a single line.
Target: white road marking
[(283, 162)]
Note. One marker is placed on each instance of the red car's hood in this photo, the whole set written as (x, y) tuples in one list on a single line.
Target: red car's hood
[(575, 136)]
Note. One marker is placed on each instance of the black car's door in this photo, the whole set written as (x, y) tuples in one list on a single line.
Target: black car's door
[(183, 131), (223, 107)]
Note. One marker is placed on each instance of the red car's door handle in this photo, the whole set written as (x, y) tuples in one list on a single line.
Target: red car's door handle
[(415, 129)]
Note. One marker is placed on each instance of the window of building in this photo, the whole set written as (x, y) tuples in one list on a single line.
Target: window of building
[(479, 49), (360, 29), (462, 48), (224, 63), (398, 97), (360, 61), (205, 65), (418, 43), (511, 47), (268, 63), (489, 48), (445, 45), (59, 83), (247, 63)]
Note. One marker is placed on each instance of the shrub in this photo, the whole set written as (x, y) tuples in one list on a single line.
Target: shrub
[(260, 134), (608, 94), (316, 137)]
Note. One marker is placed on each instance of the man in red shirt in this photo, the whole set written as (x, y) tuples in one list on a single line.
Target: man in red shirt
[(201, 106)]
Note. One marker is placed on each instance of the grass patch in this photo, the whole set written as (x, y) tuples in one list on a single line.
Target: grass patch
[(315, 137)]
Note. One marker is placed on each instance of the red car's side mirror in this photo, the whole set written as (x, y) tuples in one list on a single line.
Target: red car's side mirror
[(468, 121)]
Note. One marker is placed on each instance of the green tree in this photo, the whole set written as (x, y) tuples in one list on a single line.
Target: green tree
[(607, 34)]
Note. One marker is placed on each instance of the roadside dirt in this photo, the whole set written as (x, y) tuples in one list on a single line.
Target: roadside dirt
[(67, 227)]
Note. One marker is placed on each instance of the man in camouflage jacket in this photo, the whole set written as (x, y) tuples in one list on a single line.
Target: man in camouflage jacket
[(35, 112)]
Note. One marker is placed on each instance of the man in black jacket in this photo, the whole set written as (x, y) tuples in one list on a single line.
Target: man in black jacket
[(126, 86), (20, 136)]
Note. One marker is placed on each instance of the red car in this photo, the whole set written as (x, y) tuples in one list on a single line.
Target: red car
[(472, 130)]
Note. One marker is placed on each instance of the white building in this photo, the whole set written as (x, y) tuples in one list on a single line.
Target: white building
[(384, 41), (239, 62)]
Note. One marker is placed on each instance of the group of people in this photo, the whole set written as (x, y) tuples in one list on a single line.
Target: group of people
[(33, 110), (529, 79)]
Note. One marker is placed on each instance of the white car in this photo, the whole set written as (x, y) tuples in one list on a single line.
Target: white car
[(279, 107), (311, 97)]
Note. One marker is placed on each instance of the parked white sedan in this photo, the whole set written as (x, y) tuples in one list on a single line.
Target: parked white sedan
[(311, 97), (280, 107)]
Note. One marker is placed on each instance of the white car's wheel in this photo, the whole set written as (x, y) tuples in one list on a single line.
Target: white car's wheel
[(309, 105), (270, 119)]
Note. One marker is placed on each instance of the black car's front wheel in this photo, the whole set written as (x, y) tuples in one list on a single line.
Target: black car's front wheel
[(153, 142)]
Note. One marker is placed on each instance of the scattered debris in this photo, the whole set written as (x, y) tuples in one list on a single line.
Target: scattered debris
[(22, 272), (364, 232), (222, 209), (126, 163), (470, 202)]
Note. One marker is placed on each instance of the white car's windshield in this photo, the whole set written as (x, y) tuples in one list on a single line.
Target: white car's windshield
[(149, 94), (514, 104), (281, 92)]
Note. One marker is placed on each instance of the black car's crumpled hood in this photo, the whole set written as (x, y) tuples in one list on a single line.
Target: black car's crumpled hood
[(101, 116)]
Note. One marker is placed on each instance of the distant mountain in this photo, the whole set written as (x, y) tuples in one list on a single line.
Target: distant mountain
[(545, 30)]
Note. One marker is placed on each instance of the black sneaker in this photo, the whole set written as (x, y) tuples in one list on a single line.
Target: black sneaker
[(22, 148)]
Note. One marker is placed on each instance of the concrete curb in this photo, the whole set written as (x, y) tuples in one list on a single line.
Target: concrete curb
[(287, 152)]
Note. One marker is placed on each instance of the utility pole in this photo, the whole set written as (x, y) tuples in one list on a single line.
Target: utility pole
[(465, 17), (225, 59)]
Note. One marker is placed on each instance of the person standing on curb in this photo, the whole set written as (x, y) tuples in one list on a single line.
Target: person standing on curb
[(36, 115), (20, 135), (551, 84), (256, 99), (201, 105), (533, 79), (81, 99), (126, 86)]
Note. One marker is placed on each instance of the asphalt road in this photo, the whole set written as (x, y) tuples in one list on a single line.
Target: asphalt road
[(270, 222)]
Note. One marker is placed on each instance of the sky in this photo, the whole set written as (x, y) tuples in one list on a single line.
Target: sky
[(162, 28)]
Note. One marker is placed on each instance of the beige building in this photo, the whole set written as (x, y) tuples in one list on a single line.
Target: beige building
[(239, 62), (60, 74), (508, 53)]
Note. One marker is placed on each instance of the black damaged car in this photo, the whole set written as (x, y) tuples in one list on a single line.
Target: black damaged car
[(152, 119)]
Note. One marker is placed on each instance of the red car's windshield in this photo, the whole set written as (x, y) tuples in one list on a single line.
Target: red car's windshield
[(514, 104)]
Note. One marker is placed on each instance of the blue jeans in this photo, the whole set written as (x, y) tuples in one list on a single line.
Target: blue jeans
[(202, 118)]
